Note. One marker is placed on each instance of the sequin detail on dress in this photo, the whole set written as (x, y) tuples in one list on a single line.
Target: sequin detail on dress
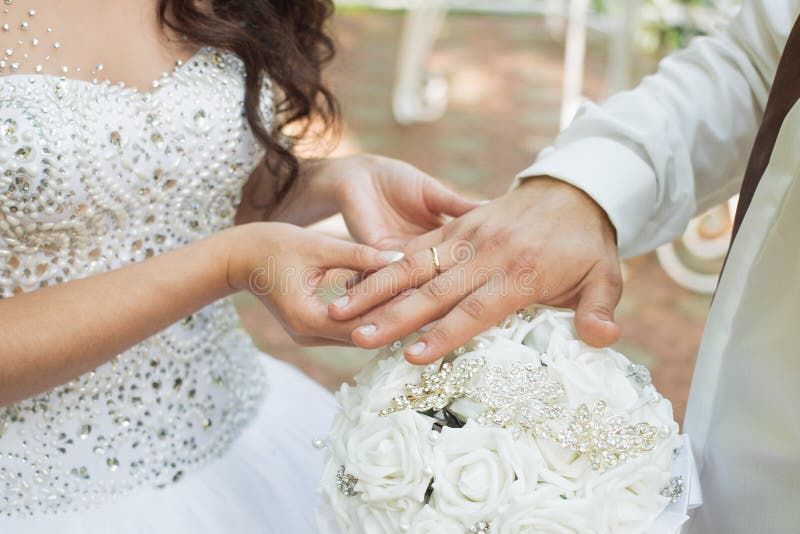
[(94, 177)]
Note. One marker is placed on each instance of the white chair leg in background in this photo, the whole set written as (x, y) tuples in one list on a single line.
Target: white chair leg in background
[(574, 60), (418, 97), (555, 16), (620, 53)]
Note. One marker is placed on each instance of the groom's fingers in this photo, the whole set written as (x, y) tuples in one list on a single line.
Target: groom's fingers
[(411, 312), (594, 314), (474, 314), (410, 272), (426, 241)]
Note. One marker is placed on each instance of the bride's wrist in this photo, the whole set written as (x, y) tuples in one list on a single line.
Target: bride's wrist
[(243, 250), (319, 178), (347, 177)]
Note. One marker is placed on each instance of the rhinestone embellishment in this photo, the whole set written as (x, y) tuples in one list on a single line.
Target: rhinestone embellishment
[(437, 388), (606, 441), (345, 482), (518, 398), (640, 374), (674, 489), (524, 398), (73, 159)]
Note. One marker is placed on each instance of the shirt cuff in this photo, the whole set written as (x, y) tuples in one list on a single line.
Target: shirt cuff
[(609, 172)]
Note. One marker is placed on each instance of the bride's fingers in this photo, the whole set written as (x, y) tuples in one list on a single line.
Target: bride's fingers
[(407, 313), (312, 321), (306, 341), (444, 201), (474, 314), (411, 271), (338, 253)]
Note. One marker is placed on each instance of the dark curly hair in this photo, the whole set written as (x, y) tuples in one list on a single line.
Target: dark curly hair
[(282, 39)]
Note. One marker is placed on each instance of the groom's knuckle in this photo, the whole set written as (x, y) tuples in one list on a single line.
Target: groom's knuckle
[(612, 278), (438, 336), (601, 308), (387, 318), (469, 233), (406, 266), (473, 307), (498, 240), (434, 291), (528, 259)]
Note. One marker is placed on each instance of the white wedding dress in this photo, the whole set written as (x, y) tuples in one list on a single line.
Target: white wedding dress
[(193, 430)]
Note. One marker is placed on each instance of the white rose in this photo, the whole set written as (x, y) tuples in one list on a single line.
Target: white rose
[(548, 325), (383, 517), (590, 374), (350, 400), (628, 501), (389, 455), (354, 515), (628, 496), (545, 510), (564, 468), (657, 411), (430, 521), (477, 469), (385, 380)]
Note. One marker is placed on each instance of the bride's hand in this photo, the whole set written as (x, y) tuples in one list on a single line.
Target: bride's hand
[(289, 268), (386, 202)]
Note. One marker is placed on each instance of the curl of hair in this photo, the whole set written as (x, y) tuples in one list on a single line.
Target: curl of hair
[(284, 40)]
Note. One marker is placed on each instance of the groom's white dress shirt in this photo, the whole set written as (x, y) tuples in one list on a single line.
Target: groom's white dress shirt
[(655, 156)]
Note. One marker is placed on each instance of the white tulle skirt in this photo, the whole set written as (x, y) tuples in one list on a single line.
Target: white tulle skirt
[(265, 483)]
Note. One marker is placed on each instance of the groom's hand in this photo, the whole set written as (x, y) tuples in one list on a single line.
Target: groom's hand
[(545, 242)]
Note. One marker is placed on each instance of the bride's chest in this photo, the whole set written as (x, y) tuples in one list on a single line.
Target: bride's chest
[(77, 157)]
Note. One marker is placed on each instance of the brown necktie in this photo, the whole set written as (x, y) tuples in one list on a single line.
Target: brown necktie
[(784, 95)]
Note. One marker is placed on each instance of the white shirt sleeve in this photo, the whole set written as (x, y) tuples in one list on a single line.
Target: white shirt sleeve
[(679, 142)]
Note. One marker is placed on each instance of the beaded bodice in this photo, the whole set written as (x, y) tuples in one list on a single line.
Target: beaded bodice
[(95, 176)]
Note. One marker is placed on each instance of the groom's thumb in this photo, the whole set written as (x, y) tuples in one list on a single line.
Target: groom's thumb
[(594, 315)]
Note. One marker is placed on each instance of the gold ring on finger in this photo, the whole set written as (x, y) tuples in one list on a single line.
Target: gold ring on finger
[(436, 265)]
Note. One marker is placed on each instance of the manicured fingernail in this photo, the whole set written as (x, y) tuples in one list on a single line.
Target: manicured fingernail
[(483, 202), (341, 302), (391, 256), (416, 349), (368, 330)]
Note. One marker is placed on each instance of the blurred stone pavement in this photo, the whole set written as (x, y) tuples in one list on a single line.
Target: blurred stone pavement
[(505, 80)]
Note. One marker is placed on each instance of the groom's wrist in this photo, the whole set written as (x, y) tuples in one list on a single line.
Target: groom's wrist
[(564, 193), (610, 173)]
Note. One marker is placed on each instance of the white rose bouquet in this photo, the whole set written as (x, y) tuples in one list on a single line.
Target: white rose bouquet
[(526, 429)]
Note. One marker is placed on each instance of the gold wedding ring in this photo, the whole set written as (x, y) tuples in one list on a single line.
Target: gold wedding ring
[(436, 265)]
